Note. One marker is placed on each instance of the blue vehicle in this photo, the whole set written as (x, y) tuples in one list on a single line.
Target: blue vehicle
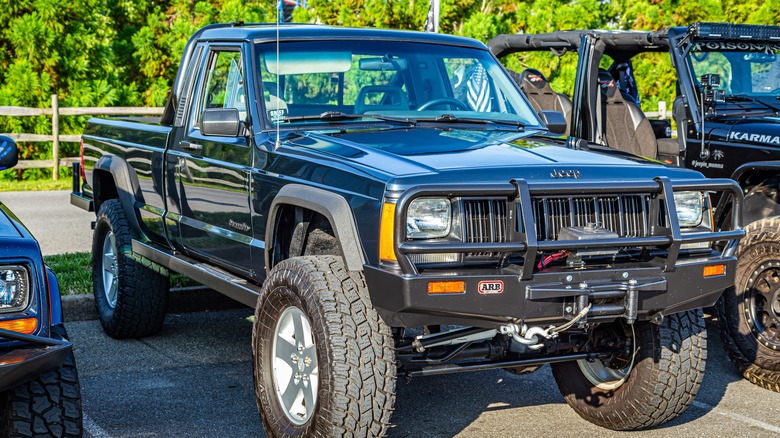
[(39, 384)]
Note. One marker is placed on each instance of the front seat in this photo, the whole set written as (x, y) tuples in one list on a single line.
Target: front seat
[(626, 127), (542, 97)]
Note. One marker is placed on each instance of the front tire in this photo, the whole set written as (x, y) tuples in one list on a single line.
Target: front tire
[(324, 362), (47, 406), (131, 294), (749, 312), (658, 386)]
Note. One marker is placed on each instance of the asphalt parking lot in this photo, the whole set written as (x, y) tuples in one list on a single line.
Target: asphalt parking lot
[(58, 226), (195, 380)]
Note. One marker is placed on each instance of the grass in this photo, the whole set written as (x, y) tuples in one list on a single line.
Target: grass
[(74, 273), (35, 185)]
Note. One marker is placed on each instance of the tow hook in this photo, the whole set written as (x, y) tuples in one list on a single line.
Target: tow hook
[(530, 336)]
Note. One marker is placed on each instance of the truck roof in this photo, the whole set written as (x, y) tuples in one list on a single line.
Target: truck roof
[(267, 32), (261, 32)]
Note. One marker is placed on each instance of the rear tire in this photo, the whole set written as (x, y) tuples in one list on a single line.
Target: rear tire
[(47, 406), (324, 362), (749, 312), (666, 375), (131, 294)]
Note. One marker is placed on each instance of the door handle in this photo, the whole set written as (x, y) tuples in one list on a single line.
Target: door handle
[(190, 146)]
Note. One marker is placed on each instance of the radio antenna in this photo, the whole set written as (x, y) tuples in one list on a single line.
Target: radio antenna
[(278, 97)]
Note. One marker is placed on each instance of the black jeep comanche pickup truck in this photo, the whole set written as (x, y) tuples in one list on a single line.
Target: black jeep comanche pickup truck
[(391, 206)]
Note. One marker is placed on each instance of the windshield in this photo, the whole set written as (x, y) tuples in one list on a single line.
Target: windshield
[(402, 80), (745, 69)]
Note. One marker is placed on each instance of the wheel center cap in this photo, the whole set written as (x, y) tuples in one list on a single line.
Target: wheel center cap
[(301, 364)]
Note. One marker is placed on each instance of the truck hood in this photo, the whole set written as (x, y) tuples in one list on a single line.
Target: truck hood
[(760, 131), (453, 155)]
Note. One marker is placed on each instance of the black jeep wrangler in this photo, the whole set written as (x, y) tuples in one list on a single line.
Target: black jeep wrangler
[(39, 385), (726, 111), (392, 206)]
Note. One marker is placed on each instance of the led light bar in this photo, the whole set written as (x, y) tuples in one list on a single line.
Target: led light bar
[(727, 31)]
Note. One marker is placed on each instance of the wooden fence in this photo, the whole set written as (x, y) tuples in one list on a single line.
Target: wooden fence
[(55, 138)]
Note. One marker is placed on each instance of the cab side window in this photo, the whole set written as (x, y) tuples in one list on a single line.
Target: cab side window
[(223, 83)]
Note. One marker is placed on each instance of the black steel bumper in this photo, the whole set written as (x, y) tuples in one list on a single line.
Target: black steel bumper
[(19, 364), (638, 293), (634, 291)]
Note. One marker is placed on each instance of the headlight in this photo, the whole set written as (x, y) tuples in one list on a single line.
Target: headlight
[(14, 288), (690, 208), (428, 218)]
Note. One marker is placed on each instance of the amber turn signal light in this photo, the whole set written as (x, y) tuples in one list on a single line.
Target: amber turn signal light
[(714, 270), (386, 244), (446, 287), (23, 325)]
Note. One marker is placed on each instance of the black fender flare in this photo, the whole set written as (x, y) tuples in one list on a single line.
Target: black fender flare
[(333, 207), (762, 198), (126, 184)]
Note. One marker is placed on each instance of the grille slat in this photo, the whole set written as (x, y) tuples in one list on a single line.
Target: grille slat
[(485, 220), (623, 214)]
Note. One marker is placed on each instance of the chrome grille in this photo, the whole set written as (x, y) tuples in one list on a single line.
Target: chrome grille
[(626, 215)]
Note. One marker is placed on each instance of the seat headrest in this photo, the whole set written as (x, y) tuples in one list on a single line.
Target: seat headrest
[(607, 83), (624, 74), (531, 79)]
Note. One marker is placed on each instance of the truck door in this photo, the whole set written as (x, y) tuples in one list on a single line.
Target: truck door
[(212, 172)]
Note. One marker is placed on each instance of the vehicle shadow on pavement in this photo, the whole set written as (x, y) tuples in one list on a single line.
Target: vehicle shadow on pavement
[(457, 401), (468, 404)]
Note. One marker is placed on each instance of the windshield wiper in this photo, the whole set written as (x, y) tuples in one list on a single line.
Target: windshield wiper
[(338, 116), (746, 98), (449, 118)]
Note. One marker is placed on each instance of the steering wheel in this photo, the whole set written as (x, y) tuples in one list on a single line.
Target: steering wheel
[(453, 103)]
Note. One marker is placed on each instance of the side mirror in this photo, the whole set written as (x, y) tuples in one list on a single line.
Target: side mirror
[(9, 154), (222, 122), (554, 120)]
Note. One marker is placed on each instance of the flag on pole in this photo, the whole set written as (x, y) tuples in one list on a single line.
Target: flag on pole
[(287, 7), (432, 20), (478, 87)]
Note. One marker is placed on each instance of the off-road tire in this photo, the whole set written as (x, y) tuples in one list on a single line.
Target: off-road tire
[(667, 373), (354, 350), (48, 406), (758, 258), (142, 294)]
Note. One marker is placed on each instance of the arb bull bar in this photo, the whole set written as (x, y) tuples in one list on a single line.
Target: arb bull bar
[(631, 290)]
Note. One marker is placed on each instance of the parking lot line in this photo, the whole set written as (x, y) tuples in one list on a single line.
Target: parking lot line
[(735, 416)]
